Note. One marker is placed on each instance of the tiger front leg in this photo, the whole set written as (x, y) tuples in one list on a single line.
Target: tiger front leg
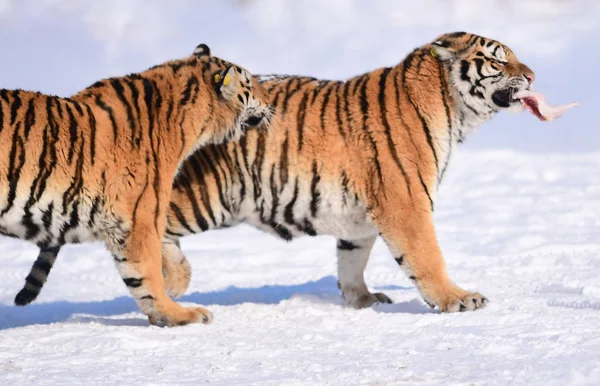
[(352, 256), (409, 233), (140, 264)]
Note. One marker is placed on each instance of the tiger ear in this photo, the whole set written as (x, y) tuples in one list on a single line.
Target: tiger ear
[(202, 50)]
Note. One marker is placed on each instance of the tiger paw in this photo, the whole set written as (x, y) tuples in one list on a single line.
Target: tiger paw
[(366, 300), (190, 315), (470, 301)]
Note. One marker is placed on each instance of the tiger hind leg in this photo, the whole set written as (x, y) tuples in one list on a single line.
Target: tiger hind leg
[(176, 269), (35, 280), (139, 262), (352, 259)]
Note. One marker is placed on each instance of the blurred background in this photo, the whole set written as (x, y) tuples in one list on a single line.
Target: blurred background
[(62, 46)]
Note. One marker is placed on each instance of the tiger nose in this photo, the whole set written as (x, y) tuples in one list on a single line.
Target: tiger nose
[(529, 76)]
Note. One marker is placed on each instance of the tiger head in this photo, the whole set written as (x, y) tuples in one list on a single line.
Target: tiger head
[(241, 101), (486, 73)]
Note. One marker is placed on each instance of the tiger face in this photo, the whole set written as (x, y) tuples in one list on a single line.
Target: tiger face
[(241, 102), (486, 73)]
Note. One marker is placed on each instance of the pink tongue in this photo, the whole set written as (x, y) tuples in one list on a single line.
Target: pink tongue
[(537, 101)]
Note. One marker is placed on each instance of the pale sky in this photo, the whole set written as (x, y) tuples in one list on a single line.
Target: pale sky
[(61, 46)]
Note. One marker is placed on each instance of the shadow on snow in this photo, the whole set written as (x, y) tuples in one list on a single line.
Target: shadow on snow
[(101, 311)]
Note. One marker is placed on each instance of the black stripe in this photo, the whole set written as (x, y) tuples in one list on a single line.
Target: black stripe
[(181, 218), (443, 86), (29, 117), (137, 204), (345, 189), (190, 90), (426, 190), (150, 91), (173, 233), (47, 216), (119, 260), (4, 96), (347, 114), (92, 128), (134, 97), (34, 281), (200, 175), (388, 130), (407, 63), (73, 222), (120, 91), (314, 191), (364, 104), (16, 162), (39, 183), (338, 114), (281, 231), (133, 282), (274, 195), (464, 71), (93, 212), (288, 213), (224, 165), (287, 94), (402, 123), (45, 259), (345, 245), (72, 132), (298, 88), (300, 120), (111, 115), (240, 176), (186, 184), (307, 228), (210, 161), (283, 162), (321, 84), (77, 180), (357, 82), (324, 106), (14, 107), (257, 165)]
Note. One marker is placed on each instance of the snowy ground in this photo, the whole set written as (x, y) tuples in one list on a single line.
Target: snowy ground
[(524, 230)]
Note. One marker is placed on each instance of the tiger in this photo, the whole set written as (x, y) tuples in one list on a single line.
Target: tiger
[(100, 164), (355, 159)]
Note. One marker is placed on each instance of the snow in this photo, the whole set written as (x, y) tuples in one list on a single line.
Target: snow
[(522, 229)]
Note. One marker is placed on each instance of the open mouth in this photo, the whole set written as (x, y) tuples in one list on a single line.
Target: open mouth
[(505, 98), (535, 102)]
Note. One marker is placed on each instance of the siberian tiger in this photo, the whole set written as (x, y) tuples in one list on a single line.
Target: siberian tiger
[(100, 165), (354, 159)]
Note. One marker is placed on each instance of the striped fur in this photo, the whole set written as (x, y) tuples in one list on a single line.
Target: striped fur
[(354, 159), (100, 165)]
